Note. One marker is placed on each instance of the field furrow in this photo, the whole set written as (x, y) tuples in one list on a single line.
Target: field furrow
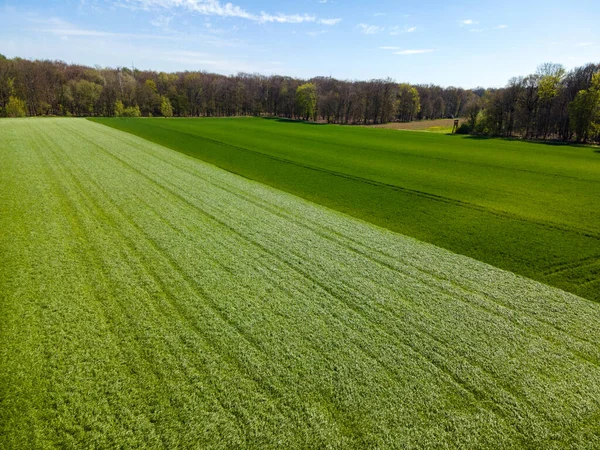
[(151, 300)]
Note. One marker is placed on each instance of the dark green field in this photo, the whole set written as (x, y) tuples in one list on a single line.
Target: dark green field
[(533, 209)]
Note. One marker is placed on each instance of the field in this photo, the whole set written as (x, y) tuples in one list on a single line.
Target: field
[(150, 300), (533, 209), (432, 126)]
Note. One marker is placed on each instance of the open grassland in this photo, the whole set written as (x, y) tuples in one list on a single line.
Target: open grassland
[(533, 209), (149, 300)]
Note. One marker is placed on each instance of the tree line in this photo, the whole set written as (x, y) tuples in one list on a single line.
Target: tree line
[(56, 88), (550, 104)]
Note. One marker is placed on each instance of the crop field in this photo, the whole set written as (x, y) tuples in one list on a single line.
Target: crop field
[(533, 209), (431, 126), (151, 300)]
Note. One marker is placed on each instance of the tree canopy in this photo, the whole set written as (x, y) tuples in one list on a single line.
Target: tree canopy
[(551, 103)]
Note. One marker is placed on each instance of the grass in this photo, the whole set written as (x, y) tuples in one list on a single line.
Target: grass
[(530, 208), (432, 126), (149, 300)]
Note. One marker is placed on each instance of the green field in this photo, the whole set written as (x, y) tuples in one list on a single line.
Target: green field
[(533, 209), (150, 300)]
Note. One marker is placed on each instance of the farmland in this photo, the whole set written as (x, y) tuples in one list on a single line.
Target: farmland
[(430, 126), (150, 300), (533, 209)]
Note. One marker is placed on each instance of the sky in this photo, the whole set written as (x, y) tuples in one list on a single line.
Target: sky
[(450, 43)]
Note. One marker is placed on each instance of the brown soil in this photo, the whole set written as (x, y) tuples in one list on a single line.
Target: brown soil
[(417, 125)]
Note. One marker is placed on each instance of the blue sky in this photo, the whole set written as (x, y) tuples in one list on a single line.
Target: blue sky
[(460, 43)]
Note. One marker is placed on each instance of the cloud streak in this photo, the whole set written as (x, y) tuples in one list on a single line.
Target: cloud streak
[(414, 52), (329, 21), (369, 29), (64, 30), (59, 27), (395, 31), (216, 8)]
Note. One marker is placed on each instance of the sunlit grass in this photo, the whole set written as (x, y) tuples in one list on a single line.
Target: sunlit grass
[(149, 300), (533, 209)]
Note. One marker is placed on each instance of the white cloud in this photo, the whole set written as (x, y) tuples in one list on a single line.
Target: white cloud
[(467, 22), (161, 22), (413, 52), (216, 8), (500, 27), (316, 33), (59, 27), (395, 31), (207, 7), (477, 30), (330, 21), (369, 29), (63, 29), (284, 18), (584, 44)]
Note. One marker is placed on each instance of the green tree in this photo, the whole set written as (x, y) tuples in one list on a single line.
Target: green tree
[(166, 109), (472, 110), (119, 108), (86, 94), (148, 99), (16, 107), (150, 84), (584, 111), (306, 101), (548, 90), (132, 111), (408, 103)]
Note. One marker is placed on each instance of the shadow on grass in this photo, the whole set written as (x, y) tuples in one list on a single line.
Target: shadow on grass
[(286, 120), (554, 143)]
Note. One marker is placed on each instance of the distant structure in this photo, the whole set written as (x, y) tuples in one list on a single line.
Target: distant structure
[(455, 127)]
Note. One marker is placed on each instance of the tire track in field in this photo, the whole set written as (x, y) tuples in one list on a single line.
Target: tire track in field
[(435, 361), (422, 194), (365, 252), (128, 243), (406, 341), (573, 286), (361, 272), (267, 390), (193, 284), (67, 198), (572, 265), (337, 413), (421, 156), (422, 329), (575, 355), (412, 349), (303, 137)]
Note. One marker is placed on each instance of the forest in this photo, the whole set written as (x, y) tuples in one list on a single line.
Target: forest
[(552, 103)]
